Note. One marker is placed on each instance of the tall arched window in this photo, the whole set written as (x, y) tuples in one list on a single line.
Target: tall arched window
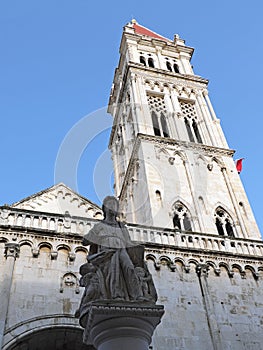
[(156, 128), (196, 131), (142, 60), (176, 69), (150, 62), (190, 119), (189, 130), (164, 126), (168, 65), (181, 217), (158, 112), (224, 223)]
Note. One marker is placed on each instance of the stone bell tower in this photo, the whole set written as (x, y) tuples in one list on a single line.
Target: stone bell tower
[(173, 167)]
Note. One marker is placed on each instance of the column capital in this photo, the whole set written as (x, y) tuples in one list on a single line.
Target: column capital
[(120, 325), (12, 249), (202, 270)]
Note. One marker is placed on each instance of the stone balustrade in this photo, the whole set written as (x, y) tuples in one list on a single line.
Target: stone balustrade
[(30, 220), (65, 224)]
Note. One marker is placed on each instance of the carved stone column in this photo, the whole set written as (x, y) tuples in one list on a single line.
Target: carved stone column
[(111, 326), (11, 253)]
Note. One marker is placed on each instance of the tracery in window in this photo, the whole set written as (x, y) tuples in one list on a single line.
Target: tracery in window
[(224, 223), (190, 120), (181, 218), (158, 113)]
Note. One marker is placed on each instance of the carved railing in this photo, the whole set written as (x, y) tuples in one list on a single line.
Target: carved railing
[(56, 223), (196, 240), (24, 220)]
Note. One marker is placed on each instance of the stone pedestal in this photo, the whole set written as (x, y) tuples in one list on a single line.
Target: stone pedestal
[(112, 326)]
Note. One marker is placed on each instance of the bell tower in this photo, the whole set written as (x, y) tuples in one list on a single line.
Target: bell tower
[(173, 167)]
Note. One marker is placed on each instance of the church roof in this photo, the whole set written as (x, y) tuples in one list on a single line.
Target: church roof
[(141, 30), (60, 199)]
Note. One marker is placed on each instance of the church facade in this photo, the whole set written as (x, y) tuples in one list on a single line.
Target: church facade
[(180, 195)]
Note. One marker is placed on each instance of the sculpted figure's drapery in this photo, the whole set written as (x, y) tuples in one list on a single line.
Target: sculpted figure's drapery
[(115, 269)]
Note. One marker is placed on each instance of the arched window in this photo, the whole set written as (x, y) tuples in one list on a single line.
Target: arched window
[(224, 223), (150, 62), (190, 119), (164, 126), (156, 128), (196, 131), (142, 60), (189, 131), (176, 222), (219, 227), (176, 69), (181, 218), (168, 65), (158, 113), (229, 229)]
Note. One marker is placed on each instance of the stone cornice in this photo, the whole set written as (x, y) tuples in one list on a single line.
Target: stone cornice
[(187, 145), (148, 72), (165, 141)]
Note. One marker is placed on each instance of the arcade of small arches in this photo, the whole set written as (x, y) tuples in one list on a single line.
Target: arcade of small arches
[(147, 61), (191, 264), (53, 251)]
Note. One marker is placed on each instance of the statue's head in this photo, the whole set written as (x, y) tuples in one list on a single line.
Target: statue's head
[(110, 205)]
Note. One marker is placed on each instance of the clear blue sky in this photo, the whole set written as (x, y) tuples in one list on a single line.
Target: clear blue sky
[(57, 63)]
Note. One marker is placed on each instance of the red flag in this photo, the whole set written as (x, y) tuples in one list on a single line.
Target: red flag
[(239, 165)]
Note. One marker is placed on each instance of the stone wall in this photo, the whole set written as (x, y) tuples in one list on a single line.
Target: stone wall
[(211, 287)]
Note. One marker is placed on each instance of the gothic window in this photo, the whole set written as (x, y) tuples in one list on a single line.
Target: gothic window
[(156, 128), (176, 69), (224, 223), (189, 130), (172, 67), (142, 60), (190, 120), (196, 131), (164, 125), (150, 62), (181, 218), (168, 65), (158, 112), (146, 59)]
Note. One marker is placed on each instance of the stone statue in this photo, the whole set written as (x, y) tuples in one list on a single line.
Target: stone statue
[(116, 269)]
